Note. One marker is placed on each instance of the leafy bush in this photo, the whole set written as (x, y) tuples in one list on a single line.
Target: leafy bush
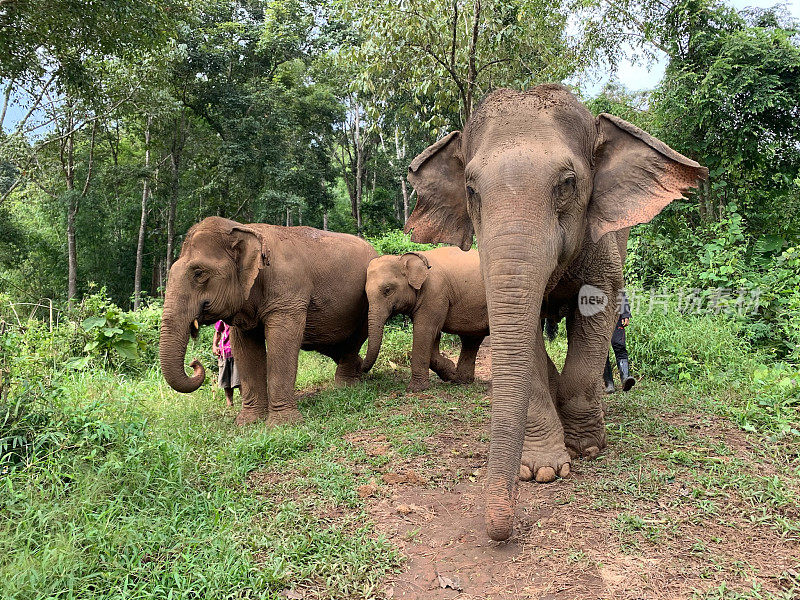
[(121, 338), (679, 347), (395, 241)]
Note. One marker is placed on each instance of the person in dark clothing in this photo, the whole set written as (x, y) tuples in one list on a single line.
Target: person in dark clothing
[(620, 351)]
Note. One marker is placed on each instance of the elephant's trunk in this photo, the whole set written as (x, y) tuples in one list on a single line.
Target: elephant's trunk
[(172, 353), (377, 322), (515, 286)]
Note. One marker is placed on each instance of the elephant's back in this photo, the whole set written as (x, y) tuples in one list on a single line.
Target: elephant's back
[(460, 266), (336, 265)]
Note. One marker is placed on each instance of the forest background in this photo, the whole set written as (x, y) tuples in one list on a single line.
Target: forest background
[(125, 122)]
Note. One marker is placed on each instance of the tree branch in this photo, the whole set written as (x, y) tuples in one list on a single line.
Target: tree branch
[(91, 161), (35, 104), (455, 24), (6, 97)]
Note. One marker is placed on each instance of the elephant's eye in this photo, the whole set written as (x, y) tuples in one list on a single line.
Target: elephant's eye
[(565, 188), (199, 275), (472, 195), (387, 290)]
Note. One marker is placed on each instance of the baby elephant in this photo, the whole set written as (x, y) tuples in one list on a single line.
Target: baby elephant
[(442, 290)]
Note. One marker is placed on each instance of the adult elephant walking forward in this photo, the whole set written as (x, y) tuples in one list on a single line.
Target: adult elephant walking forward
[(291, 287), (544, 186)]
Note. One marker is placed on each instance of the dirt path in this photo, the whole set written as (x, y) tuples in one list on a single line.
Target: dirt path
[(593, 535)]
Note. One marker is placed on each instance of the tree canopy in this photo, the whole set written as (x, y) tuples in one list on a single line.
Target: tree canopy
[(140, 118)]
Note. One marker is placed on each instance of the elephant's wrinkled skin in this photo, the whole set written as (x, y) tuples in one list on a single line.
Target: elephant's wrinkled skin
[(441, 290), (549, 191), (293, 287)]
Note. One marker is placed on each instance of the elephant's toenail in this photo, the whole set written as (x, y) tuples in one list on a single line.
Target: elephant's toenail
[(564, 471), (592, 452), (545, 474)]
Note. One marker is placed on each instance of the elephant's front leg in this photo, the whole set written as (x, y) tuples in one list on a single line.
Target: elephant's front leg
[(544, 456), (284, 332), (579, 401), (251, 362), (426, 333)]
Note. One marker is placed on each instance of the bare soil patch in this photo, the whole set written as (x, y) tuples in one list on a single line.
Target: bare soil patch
[(565, 546)]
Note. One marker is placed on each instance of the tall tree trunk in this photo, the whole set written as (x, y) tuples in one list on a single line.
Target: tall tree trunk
[(405, 199), (359, 168), (67, 156), (472, 72), (702, 200), (178, 139), (288, 217), (73, 204), (325, 220), (137, 279), (72, 251), (400, 152)]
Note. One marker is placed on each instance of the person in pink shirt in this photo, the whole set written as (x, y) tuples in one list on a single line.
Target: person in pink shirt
[(221, 347)]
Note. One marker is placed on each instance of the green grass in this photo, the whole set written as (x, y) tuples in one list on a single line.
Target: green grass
[(160, 504), (139, 492)]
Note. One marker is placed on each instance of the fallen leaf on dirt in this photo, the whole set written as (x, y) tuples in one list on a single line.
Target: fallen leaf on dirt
[(446, 582), (293, 595), (404, 509)]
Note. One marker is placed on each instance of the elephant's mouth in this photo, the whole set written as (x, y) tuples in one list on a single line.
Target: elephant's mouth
[(202, 318)]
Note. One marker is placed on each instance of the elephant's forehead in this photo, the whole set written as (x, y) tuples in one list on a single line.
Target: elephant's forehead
[(206, 242), (544, 113), (382, 266)]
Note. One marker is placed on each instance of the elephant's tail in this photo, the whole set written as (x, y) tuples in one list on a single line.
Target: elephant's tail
[(551, 328)]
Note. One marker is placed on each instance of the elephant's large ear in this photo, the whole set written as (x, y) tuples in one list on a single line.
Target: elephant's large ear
[(415, 268), (251, 254), (636, 175), (440, 215)]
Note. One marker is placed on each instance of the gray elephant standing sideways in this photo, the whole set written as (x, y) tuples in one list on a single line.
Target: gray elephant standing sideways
[(441, 290), (293, 287), (549, 191)]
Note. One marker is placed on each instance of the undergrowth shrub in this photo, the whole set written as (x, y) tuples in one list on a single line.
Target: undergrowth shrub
[(715, 355), (679, 347), (396, 242)]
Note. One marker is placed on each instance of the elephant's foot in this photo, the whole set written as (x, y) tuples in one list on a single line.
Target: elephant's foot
[(444, 368), (418, 385), (247, 416), (543, 462), (464, 377), (286, 416), (341, 380), (584, 428), (585, 443), (348, 371)]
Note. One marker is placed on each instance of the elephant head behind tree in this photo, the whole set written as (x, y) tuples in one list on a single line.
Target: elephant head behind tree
[(291, 287), (544, 186)]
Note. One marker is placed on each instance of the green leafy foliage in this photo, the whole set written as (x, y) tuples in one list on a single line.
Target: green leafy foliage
[(396, 242)]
